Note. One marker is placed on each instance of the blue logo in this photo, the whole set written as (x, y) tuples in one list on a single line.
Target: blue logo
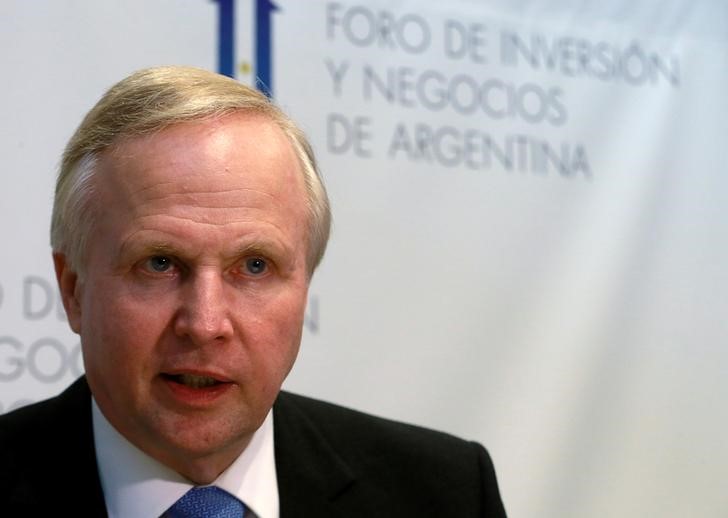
[(262, 67)]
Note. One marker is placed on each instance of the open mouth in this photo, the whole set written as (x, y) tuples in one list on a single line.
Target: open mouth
[(193, 380)]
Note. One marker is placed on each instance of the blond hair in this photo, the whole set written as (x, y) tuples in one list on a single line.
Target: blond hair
[(148, 101)]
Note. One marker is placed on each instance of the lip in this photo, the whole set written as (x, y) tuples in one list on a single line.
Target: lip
[(194, 396), (197, 372)]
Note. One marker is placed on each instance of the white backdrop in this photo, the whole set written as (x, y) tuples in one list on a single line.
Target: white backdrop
[(531, 211)]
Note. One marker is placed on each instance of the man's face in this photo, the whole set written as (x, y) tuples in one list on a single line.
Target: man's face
[(191, 307)]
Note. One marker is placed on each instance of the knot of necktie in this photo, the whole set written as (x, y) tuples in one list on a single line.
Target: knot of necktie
[(207, 502)]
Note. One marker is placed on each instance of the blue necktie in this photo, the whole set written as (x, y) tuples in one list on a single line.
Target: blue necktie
[(207, 502)]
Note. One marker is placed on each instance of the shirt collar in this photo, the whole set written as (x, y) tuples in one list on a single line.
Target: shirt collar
[(137, 486)]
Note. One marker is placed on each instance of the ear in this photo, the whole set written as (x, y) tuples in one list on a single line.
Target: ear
[(69, 285)]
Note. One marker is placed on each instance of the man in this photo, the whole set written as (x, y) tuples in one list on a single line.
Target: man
[(188, 220)]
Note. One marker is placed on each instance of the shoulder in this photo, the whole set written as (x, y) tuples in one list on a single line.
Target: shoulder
[(420, 466), (359, 431), (40, 444), (47, 419)]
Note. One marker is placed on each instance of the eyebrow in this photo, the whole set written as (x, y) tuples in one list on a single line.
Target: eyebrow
[(257, 248), (131, 250), (158, 248)]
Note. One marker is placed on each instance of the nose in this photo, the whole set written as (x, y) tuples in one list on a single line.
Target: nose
[(203, 315)]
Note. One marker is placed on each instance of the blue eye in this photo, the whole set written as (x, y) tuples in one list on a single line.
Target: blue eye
[(159, 263), (256, 265)]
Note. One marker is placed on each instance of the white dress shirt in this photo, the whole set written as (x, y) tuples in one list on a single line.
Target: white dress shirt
[(137, 486)]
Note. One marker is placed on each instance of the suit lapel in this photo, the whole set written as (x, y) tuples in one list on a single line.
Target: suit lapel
[(86, 492), (313, 478)]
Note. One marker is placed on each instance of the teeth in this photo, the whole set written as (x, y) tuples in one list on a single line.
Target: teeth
[(196, 381)]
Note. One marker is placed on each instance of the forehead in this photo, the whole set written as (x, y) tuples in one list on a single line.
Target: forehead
[(239, 150), (206, 186), (236, 158)]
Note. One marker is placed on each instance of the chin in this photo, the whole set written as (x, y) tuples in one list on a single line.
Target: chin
[(198, 439)]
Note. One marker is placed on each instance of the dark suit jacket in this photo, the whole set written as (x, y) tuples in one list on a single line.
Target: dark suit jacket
[(330, 462)]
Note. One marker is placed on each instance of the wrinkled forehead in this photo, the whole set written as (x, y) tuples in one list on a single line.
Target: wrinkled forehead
[(238, 151)]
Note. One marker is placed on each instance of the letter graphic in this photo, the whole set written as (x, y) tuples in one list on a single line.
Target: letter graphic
[(263, 42), (264, 46), (226, 37)]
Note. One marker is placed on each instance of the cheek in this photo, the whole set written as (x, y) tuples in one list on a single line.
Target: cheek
[(117, 331), (277, 334)]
